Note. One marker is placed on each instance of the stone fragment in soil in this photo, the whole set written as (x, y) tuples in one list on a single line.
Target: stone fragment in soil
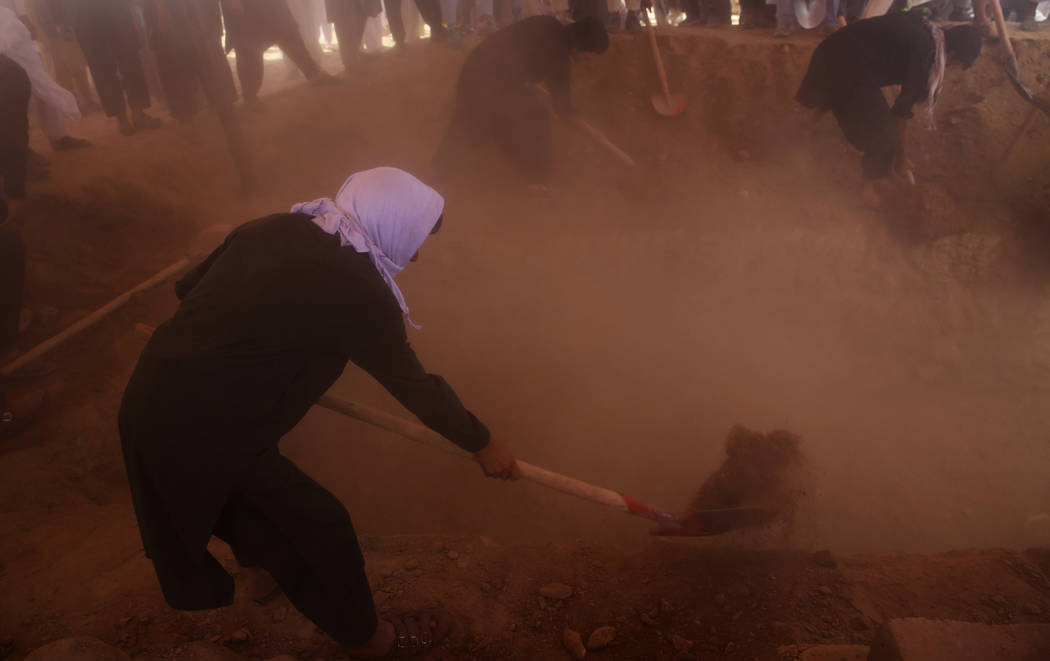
[(665, 607), (80, 648), (556, 591), (859, 623), (681, 644), (600, 638), (412, 564), (573, 643), (240, 635), (196, 651), (452, 555), (823, 559)]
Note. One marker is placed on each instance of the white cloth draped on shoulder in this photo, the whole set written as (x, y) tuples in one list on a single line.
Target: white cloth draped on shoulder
[(16, 43), (385, 212)]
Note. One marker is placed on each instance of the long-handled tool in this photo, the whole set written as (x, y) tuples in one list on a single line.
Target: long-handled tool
[(1041, 102), (118, 302), (587, 128), (1012, 70), (666, 104), (601, 139), (694, 523)]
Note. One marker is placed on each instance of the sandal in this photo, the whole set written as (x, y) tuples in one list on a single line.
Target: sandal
[(417, 633)]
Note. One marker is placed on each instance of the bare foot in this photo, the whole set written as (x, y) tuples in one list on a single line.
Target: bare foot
[(405, 636)]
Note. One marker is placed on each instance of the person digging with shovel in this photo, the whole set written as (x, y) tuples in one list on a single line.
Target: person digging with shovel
[(850, 67), (497, 99), (265, 326)]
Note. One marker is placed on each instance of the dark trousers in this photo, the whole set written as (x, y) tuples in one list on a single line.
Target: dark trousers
[(430, 10), (189, 59), (258, 33), (107, 35), (870, 126), (14, 126), (596, 9), (12, 286), (349, 20), (288, 524), (718, 10), (12, 283)]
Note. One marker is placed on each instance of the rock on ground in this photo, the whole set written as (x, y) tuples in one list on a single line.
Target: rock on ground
[(600, 638), (573, 642), (198, 651), (920, 639), (77, 649)]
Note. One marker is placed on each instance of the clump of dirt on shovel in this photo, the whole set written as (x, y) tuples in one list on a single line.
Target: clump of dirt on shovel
[(760, 470)]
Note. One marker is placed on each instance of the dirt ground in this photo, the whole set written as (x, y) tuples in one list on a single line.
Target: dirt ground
[(614, 331)]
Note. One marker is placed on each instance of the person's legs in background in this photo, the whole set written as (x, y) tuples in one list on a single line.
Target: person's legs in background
[(831, 17), (349, 20), (717, 12), (430, 10), (307, 20), (109, 41), (397, 25), (486, 17), (693, 13), (250, 73), (449, 18), (785, 18)]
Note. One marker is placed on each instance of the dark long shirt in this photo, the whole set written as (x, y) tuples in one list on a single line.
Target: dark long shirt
[(266, 325), (895, 49), (535, 50), (14, 126)]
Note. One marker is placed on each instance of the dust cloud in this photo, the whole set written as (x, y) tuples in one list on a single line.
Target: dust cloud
[(618, 338), (619, 329)]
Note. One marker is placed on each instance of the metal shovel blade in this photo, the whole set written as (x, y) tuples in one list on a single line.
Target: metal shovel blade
[(668, 105), (1014, 74), (702, 523)]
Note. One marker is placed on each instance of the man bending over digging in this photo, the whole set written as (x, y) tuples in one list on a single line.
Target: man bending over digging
[(265, 326), (497, 98), (850, 68)]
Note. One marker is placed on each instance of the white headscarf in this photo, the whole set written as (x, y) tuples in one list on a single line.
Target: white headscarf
[(16, 43), (385, 212)]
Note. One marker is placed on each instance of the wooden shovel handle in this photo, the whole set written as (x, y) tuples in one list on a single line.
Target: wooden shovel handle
[(659, 64), (93, 318), (428, 437), (1000, 23)]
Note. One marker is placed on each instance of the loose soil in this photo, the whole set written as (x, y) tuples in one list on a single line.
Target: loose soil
[(614, 331)]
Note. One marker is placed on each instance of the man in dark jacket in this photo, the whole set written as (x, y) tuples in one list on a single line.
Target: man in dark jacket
[(266, 325), (497, 96), (850, 67)]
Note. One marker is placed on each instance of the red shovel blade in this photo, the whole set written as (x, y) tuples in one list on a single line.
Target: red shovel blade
[(668, 105), (701, 523)]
